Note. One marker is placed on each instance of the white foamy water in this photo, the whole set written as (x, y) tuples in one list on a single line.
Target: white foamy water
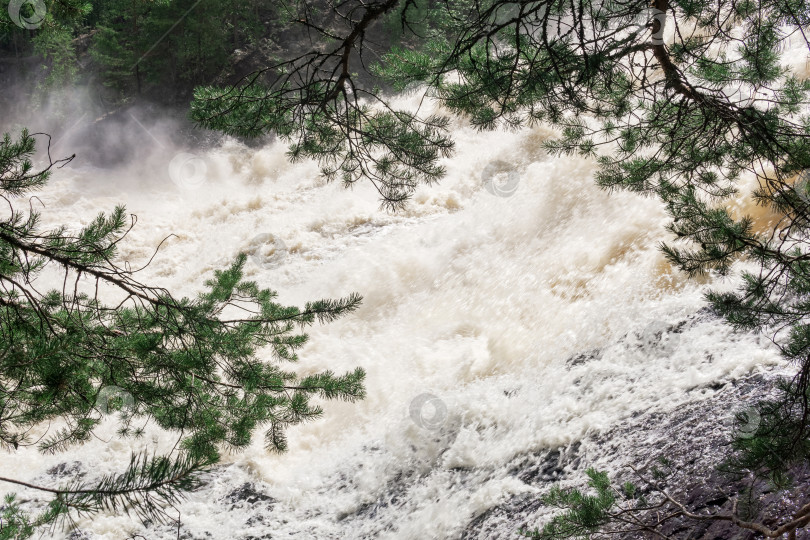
[(476, 299)]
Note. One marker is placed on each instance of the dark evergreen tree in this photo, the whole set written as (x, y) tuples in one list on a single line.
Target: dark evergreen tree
[(209, 368), (314, 102), (605, 510), (122, 44), (678, 99), (673, 99), (43, 30), (175, 44)]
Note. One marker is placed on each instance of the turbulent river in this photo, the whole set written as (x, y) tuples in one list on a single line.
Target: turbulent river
[(476, 298)]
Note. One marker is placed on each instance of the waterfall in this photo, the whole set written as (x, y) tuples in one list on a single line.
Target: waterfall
[(511, 311)]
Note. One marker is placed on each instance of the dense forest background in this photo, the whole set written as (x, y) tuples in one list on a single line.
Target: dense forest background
[(127, 51)]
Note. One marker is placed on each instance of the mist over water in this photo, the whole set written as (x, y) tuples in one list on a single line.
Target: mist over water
[(476, 298)]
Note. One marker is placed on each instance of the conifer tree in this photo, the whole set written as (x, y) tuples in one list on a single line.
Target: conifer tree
[(674, 99), (122, 45), (44, 28), (684, 100), (209, 369), (143, 44)]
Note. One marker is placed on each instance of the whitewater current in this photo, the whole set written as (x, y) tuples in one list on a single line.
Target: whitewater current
[(476, 297)]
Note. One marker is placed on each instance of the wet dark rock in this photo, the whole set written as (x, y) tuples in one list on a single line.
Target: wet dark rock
[(715, 495), (548, 466), (391, 497), (69, 468), (255, 520), (186, 535), (248, 493), (584, 358), (492, 523), (704, 314), (692, 436)]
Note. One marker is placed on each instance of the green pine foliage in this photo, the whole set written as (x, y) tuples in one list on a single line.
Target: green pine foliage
[(143, 45), (57, 49), (120, 43), (605, 509), (49, 37), (14, 523), (683, 100), (351, 141), (137, 47), (410, 22), (209, 368), (313, 102), (676, 99), (672, 99), (585, 513), (58, 15)]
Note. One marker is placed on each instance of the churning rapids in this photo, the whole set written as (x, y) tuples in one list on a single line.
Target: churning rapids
[(476, 298)]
